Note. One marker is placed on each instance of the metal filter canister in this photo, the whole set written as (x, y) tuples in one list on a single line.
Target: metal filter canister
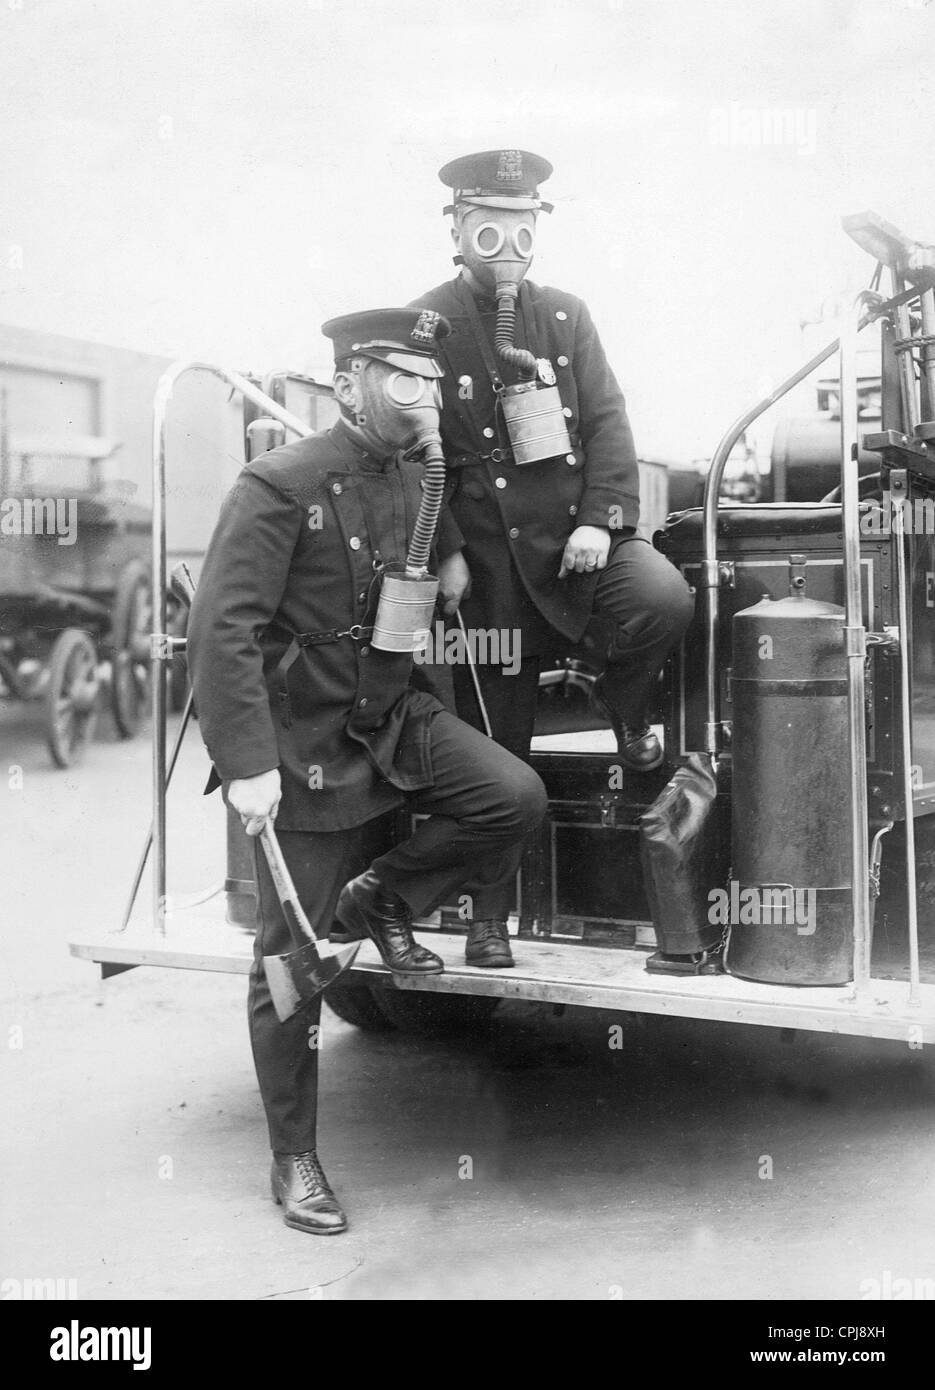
[(535, 422), (404, 614)]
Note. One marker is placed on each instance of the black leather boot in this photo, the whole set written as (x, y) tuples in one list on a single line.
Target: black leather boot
[(710, 962), (366, 908), (299, 1185), (638, 748), (488, 944)]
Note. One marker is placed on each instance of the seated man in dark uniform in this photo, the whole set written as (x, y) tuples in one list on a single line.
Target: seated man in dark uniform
[(544, 484), (310, 722)]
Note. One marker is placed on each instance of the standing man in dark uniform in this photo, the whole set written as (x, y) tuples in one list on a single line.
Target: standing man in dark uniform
[(552, 540), (311, 723)]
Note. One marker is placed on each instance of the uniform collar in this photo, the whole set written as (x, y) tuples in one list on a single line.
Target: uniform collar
[(355, 455), (486, 302)]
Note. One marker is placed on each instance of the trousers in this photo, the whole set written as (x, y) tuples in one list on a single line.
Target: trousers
[(478, 811), (650, 607)]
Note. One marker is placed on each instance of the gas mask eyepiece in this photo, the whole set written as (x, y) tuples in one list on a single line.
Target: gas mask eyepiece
[(407, 391), (492, 241)]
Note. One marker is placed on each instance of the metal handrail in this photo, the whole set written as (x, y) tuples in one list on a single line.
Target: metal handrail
[(855, 636), (710, 579), (905, 711), (868, 307), (161, 643)]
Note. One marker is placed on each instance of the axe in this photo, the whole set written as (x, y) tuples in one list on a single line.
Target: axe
[(305, 972)]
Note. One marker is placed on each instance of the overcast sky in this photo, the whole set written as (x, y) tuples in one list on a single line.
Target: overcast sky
[(219, 176)]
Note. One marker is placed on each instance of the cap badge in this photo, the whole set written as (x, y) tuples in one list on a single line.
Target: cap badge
[(510, 166), (425, 326)]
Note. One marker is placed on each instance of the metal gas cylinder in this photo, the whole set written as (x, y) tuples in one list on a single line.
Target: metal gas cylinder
[(790, 899)]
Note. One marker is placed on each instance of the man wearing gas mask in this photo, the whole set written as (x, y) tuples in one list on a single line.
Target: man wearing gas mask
[(544, 485), (301, 654)]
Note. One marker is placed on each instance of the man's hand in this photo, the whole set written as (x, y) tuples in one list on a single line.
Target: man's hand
[(256, 799), (454, 582), (585, 550)]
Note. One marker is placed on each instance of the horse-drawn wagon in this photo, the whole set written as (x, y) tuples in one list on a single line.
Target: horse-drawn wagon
[(75, 589)]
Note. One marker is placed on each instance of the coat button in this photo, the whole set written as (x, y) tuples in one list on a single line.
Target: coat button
[(488, 432), (572, 510), (354, 542), (361, 703), (561, 316), (562, 361), (570, 458), (365, 651), (567, 411), (500, 482), (514, 533), (362, 595), (337, 489)]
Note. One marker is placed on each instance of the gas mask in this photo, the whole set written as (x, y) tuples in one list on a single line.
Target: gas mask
[(399, 409), (496, 244)]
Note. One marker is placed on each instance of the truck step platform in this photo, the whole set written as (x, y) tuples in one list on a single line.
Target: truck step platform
[(197, 937)]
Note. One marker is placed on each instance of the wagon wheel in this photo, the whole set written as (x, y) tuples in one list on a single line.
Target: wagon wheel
[(129, 641), (71, 696)]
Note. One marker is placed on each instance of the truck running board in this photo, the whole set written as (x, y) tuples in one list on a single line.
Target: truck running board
[(198, 938)]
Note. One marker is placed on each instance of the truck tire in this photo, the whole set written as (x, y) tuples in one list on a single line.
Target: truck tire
[(435, 1015), (356, 1004)]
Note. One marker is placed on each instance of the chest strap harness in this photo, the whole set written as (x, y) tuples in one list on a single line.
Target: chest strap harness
[(357, 632)]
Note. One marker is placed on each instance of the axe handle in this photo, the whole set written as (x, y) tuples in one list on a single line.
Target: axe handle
[(299, 926)]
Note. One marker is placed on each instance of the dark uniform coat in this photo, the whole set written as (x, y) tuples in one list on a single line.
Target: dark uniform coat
[(516, 520), (292, 554)]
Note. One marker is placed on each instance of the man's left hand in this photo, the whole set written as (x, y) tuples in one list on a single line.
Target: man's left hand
[(585, 550), (454, 582)]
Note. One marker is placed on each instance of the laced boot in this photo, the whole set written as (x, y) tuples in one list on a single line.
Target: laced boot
[(488, 944), (638, 748), (299, 1185), (366, 908)]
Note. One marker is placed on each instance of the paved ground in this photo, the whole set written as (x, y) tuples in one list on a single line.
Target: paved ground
[(134, 1147)]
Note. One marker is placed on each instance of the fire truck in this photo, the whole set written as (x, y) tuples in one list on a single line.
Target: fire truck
[(776, 870)]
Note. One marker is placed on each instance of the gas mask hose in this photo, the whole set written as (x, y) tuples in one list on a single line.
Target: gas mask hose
[(433, 488), (523, 361)]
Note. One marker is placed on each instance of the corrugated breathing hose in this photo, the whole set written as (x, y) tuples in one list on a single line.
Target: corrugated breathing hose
[(433, 487), (520, 358)]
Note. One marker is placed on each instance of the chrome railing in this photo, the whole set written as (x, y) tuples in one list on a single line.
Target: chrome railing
[(162, 645)]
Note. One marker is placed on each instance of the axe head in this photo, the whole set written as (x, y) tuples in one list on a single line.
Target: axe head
[(301, 975)]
